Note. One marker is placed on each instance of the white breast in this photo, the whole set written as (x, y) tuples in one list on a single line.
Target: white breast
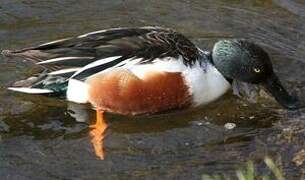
[(205, 86)]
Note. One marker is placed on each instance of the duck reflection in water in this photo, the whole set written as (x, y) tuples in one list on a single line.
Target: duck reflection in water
[(97, 133), (97, 130)]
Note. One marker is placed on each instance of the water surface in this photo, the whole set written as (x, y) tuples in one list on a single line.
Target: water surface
[(48, 138)]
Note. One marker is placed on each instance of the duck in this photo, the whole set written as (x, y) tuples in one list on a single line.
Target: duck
[(146, 70)]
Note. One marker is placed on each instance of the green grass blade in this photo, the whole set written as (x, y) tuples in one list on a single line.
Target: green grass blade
[(271, 165)]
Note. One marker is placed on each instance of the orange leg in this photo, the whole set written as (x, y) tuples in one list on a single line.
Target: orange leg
[(98, 133)]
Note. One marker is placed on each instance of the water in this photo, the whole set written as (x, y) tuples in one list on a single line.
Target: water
[(48, 138)]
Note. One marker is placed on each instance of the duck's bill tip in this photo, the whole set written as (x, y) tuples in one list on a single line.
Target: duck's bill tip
[(276, 89)]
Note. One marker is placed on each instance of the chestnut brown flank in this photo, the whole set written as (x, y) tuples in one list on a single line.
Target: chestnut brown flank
[(120, 91)]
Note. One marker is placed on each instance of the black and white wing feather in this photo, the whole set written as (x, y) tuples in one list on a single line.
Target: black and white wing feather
[(82, 56)]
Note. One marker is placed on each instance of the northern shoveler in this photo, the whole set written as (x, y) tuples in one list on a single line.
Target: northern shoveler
[(146, 70)]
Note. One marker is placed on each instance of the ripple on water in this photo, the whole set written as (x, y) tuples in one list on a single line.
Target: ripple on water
[(47, 138)]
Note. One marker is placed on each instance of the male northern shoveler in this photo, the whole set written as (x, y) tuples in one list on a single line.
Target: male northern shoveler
[(146, 70)]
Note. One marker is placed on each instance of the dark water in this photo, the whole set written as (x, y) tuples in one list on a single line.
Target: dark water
[(48, 138)]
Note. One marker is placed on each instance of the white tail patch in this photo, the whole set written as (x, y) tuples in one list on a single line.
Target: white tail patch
[(77, 91), (30, 90), (64, 71), (96, 63), (56, 60)]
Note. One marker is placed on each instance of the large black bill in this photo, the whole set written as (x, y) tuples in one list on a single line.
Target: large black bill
[(274, 86)]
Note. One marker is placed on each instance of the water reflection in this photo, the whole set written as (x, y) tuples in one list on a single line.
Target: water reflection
[(97, 130), (97, 133), (194, 136), (213, 122)]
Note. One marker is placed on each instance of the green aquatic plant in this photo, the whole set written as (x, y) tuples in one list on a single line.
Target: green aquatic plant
[(275, 170), (248, 173)]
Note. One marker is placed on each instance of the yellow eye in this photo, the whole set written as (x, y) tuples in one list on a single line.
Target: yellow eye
[(257, 70)]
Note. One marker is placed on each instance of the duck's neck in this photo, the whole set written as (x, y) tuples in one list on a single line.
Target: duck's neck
[(207, 57)]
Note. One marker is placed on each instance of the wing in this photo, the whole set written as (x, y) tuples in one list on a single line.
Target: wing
[(93, 52), (85, 55)]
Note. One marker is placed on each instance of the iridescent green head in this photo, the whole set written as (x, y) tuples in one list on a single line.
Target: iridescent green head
[(244, 61)]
